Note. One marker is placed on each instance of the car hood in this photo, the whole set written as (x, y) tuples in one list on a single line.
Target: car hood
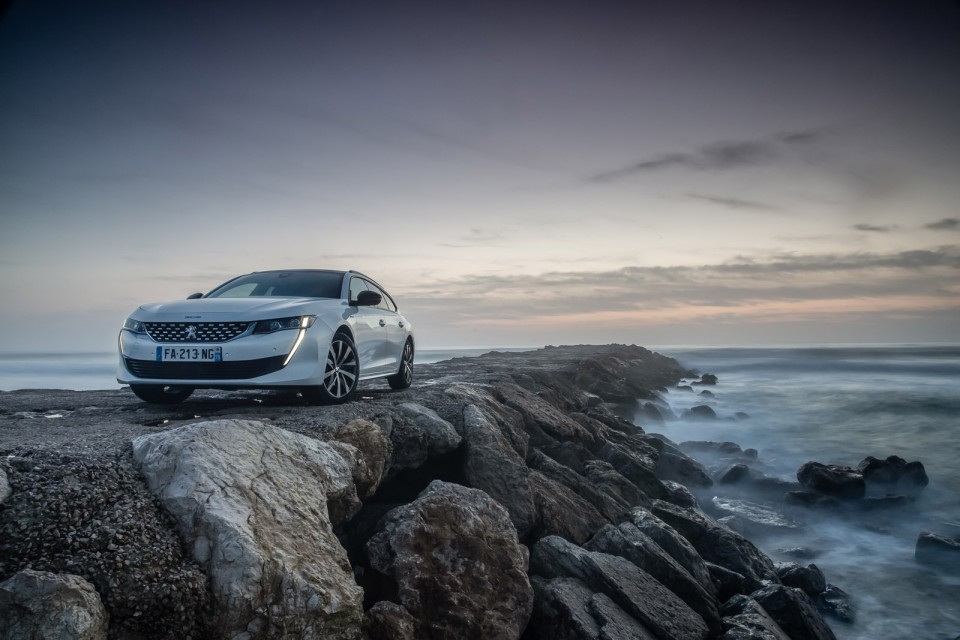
[(224, 309)]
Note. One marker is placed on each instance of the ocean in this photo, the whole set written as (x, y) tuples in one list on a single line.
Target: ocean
[(834, 405), (838, 405)]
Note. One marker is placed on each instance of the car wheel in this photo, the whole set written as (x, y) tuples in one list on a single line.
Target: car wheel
[(161, 394), (404, 377), (340, 375)]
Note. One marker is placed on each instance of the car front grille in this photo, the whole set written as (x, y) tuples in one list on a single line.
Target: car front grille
[(235, 370), (195, 331)]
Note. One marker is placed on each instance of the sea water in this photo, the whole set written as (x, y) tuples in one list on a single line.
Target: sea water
[(838, 405)]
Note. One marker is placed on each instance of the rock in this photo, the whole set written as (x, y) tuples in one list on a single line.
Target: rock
[(674, 464), (628, 542), (758, 517), (938, 551), (374, 453), (418, 434), (837, 603), (893, 475), (605, 478), (458, 566), (389, 621), (716, 543), (794, 611), (728, 449), (840, 482), (707, 378), (730, 583), (251, 501), (493, 466), (5, 489), (611, 507), (745, 619), (640, 595), (542, 421), (811, 499), (679, 495), (561, 512), (800, 553), (38, 604), (735, 473), (632, 459), (676, 546), (566, 608), (707, 394), (808, 579), (700, 412)]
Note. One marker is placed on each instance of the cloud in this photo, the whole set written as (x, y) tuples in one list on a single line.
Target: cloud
[(735, 203), (947, 224), (477, 238), (717, 156), (917, 280), (875, 228)]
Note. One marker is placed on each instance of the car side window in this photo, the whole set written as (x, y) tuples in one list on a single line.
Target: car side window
[(356, 286), (386, 302)]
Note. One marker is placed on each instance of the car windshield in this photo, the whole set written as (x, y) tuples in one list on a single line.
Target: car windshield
[(282, 284)]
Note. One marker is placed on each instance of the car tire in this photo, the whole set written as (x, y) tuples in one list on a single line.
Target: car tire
[(161, 394), (403, 378), (341, 373)]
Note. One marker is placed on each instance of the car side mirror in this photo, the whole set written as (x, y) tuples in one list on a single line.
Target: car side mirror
[(368, 299), (194, 296)]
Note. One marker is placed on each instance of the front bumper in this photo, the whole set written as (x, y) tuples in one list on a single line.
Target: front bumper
[(252, 361)]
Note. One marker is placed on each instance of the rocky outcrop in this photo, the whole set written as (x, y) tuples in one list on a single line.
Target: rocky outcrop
[(745, 619), (894, 475), (794, 611), (635, 591), (38, 604), (832, 480), (938, 551), (251, 501), (456, 564)]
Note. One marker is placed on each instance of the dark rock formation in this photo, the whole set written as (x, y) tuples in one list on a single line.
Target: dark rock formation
[(836, 602), (457, 565), (38, 604), (745, 619), (808, 579), (840, 482), (794, 611), (700, 412), (893, 475), (707, 378), (938, 551)]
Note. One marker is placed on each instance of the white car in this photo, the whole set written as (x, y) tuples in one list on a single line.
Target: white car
[(317, 331)]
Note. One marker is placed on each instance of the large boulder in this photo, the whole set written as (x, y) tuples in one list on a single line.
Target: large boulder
[(717, 543), (417, 434), (254, 505), (893, 475), (833, 480), (456, 564), (794, 611), (610, 506), (389, 621), (561, 512), (38, 604), (808, 579), (674, 544), (493, 465), (634, 590), (627, 541), (370, 453)]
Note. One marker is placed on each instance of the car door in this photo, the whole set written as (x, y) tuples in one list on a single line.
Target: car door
[(369, 330), (397, 331)]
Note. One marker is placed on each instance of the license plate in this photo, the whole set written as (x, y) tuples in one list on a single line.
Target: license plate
[(189, 354)]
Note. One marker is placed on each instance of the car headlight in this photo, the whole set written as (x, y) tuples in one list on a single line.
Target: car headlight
[(279, 324), (134, 325)]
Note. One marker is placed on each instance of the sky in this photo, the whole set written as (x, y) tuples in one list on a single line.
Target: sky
[(735, 172)]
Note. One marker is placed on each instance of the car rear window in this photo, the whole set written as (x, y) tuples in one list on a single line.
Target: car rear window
[(282, 284)]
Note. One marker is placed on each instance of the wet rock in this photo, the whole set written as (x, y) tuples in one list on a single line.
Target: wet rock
[(674, 464), (730, 583), (457, 564), (679, 495), (628, 542), (808, 578), (608, 480), (734, 474), (251, 501), (707, 378), (836, 602), (794, 611), (389, 621), (893, 475), (938, 551), (649, 412), (640, 595), (38, 604), (700, 412), (745, 619), (757, 517), (493, 466), (833, 480), (707, 394), (716, 543), (566, 608), (800, 553), (635, 461)]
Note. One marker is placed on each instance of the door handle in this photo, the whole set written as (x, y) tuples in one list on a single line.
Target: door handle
[(401, 324), (383, 322)]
